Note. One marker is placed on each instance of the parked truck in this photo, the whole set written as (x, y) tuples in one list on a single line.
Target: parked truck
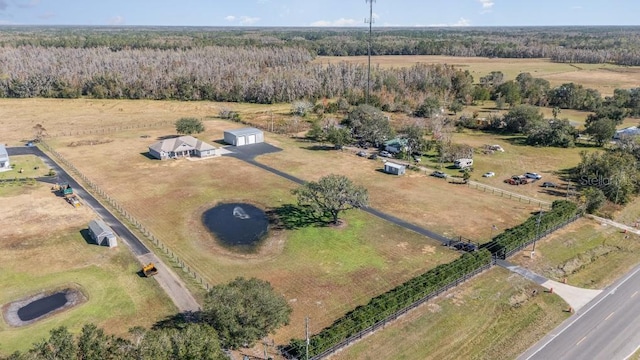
[(149, 270)]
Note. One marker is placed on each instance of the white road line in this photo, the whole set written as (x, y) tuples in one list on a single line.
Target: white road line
[(582, 314), (634, 294), (607, 318), (581, 340), (633, 352)]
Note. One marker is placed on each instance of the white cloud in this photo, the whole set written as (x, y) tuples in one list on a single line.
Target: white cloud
[(230, 18), (47, 15), (247, 20), (339, 22), (459, 23), (116, 20), (577, 7), (486, 4)]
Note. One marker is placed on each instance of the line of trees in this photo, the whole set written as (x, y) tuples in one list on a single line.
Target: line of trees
[(510, 239), (563, 44), (386, 304)]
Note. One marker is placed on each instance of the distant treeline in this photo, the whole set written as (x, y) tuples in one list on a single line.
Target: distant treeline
[(620, 45)]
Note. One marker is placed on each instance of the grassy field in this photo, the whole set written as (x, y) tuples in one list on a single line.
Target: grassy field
[(494, 316), (322, 271), (43, 249), (586, 253), (449, 209), (30, 165), (602, 77)]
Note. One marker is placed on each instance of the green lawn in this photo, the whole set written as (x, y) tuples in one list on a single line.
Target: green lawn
[(30, 165), (587, 253), (493, 316), (117, 298)]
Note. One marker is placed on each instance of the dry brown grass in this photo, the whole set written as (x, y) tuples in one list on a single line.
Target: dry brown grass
[(41, 248), (323, 272), (494, 316), (602, 77)]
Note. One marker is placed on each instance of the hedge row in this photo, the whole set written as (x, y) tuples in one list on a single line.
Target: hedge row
[(384, 305), (561, 212)]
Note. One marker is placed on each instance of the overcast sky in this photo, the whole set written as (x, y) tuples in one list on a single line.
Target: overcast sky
[(320, 12)]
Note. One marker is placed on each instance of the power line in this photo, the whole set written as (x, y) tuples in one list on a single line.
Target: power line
[(369, 21)]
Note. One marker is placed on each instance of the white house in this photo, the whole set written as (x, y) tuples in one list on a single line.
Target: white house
[(183, 146), (4, 159), (245, 136)]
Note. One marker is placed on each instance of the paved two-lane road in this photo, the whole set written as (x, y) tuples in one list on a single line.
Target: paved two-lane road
[(606, 328)]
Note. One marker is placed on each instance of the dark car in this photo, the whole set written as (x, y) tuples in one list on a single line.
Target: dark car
[(548, 184), (439, 174), (373, 156), (362, 153)]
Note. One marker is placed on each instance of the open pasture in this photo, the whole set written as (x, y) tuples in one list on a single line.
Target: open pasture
[(322, 271), (494, 316), (586, 253), (602, 77), (41, 248), (449, 209)]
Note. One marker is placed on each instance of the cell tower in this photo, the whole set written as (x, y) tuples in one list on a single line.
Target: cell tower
[(369, 21)]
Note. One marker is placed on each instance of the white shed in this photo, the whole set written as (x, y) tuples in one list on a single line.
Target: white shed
[(244, 136), (102, 234), (395, 169), (4, 158)]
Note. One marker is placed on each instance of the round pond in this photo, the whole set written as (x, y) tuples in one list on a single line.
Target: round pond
[(237, 225)]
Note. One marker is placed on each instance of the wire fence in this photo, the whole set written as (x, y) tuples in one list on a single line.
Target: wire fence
[(509, 195), (18, 181), (111, 129), (381, 324), (132, 220), (543, 233)]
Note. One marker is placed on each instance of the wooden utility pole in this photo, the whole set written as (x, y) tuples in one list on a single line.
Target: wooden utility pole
[(306, 335)]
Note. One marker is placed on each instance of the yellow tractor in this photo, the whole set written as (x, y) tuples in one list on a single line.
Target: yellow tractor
[(149, 270)]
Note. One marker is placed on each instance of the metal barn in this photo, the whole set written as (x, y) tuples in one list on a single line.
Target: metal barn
[(102, 234), (245, 136), (395, 169)]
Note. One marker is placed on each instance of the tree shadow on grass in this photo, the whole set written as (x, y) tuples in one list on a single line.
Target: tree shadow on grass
[(291, 217), (179, 320)]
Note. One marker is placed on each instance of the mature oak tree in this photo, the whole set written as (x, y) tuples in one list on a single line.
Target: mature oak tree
[(245, 310), (331, 195)]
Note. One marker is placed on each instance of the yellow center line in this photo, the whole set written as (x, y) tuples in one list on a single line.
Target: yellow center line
[(634, 294), (607, 318), (581, 340)]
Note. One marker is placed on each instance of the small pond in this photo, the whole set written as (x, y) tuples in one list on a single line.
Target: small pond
[(237, 225), (40, 307)]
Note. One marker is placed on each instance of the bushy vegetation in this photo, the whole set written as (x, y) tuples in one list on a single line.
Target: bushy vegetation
[(380, 307), (190, 341), (561, 211), (562, 44)]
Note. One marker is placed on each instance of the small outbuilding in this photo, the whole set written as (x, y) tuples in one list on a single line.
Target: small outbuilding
[(630, 131), (4, 158), (395, 169), (101, 234), (244, 136)]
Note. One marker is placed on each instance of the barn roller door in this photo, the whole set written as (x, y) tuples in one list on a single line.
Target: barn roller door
[(251, 139), (240, 141)]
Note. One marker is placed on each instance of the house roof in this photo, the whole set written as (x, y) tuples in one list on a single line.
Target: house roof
[(631, 130), (3, 153), (182, 143), (394, 165), (99, 228), (396, 142), (244, 131)]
